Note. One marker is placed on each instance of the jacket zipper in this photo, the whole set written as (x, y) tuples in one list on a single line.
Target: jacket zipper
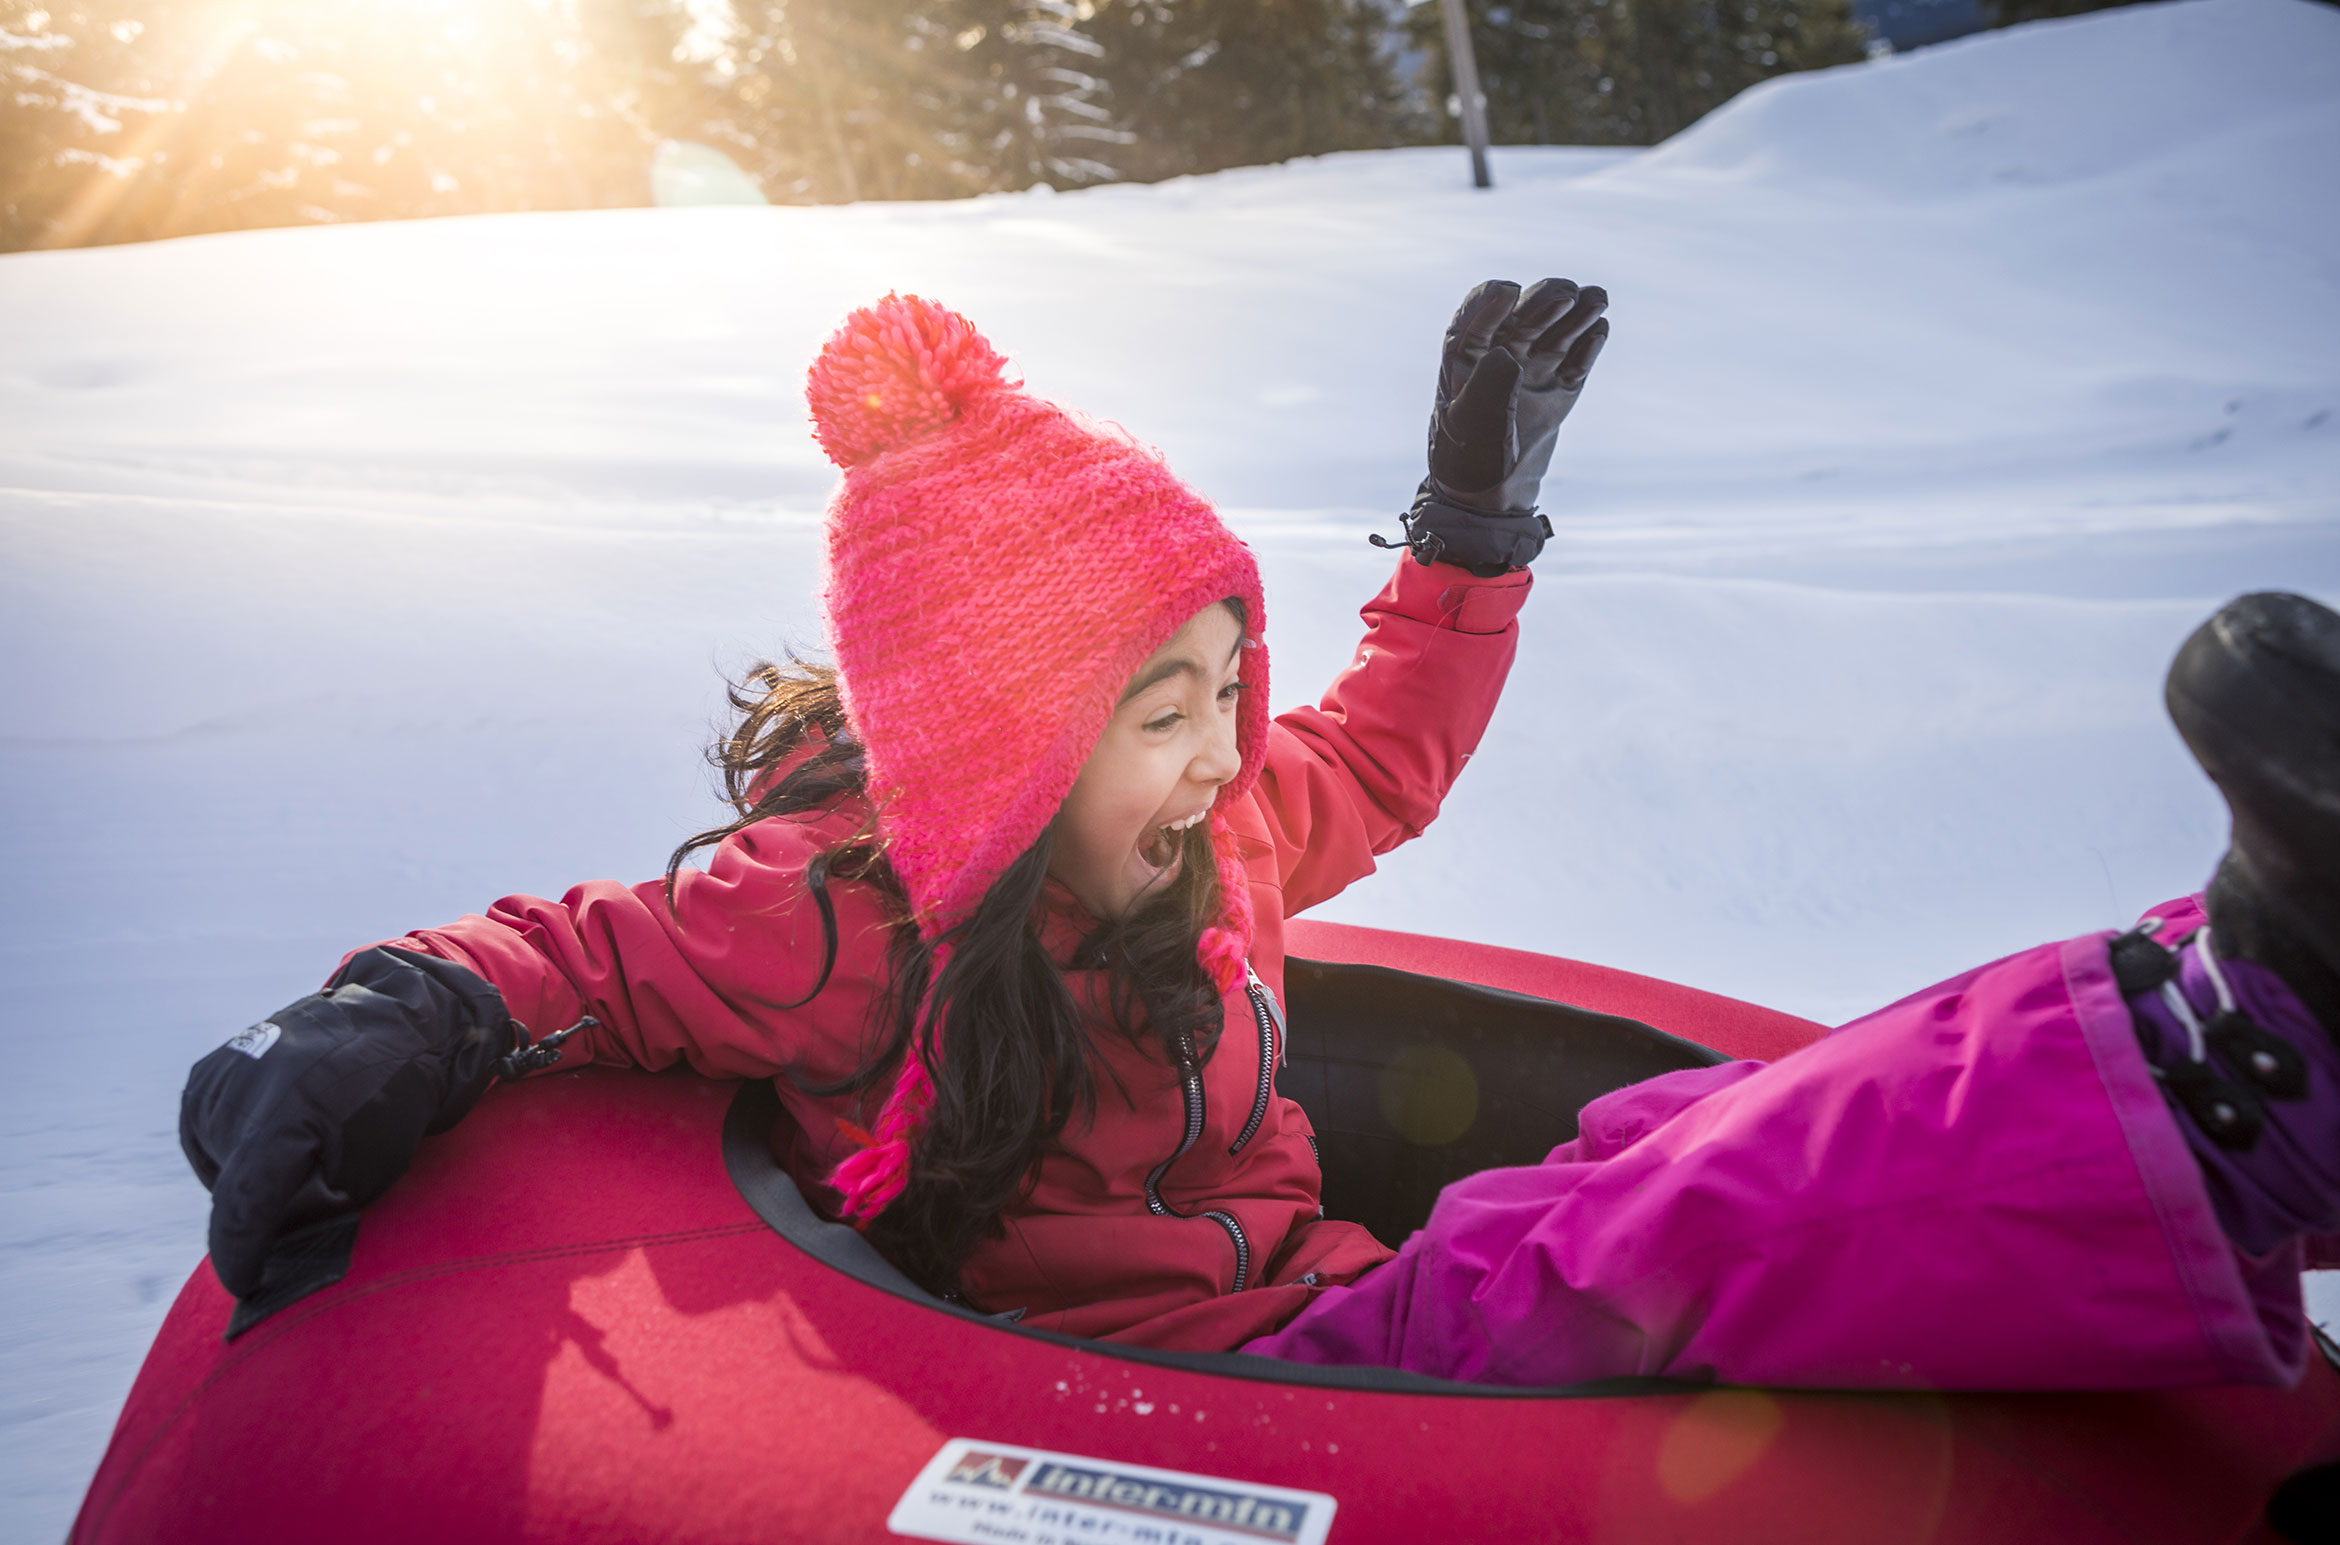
[(1190, 1086), (1242, 1246), (1191, 1090), (1269, 1017)]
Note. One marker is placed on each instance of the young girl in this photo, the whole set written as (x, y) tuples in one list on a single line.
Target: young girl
[(1002, 915)]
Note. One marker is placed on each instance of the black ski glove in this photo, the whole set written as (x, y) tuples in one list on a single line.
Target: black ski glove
[(1512, 368), (314, 1112)]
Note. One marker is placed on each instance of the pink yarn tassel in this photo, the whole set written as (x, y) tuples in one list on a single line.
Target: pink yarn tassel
[(1226, 944), (871, 1179)]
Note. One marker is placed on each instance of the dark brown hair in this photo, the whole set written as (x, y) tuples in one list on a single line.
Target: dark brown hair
[(1014, 1068)]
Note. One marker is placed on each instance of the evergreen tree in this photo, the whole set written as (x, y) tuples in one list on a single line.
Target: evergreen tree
[(1033, 88), (1205, 84), (935, 98), (780, 93), (131, 119), (830, 100), (171, 117), (1632, 72)]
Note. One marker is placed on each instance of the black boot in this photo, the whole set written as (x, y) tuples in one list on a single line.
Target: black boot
[(2256, 694)]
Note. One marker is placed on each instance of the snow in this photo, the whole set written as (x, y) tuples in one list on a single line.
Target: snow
[(353, 577)]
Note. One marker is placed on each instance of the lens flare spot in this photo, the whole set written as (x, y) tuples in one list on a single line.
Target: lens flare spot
[(1715, 1440), (1430, 1095)]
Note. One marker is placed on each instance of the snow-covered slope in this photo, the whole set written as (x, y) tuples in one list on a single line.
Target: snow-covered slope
[(352, 577)]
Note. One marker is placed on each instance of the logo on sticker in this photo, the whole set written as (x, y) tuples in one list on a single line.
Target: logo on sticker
[(254, 1042), (977, 1491), (1267, 1517), (997, 1471)]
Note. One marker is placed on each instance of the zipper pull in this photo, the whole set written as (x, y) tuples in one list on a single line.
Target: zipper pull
[(1264, 994)]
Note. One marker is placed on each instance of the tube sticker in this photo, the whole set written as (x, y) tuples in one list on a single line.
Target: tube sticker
[(978, 1493)]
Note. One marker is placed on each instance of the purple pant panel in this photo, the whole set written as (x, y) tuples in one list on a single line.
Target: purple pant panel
[(2285, 1185), (2249, 1310), (1978, 1187)]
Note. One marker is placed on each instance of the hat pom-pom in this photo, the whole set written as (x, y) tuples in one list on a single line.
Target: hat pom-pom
[(893, 373)]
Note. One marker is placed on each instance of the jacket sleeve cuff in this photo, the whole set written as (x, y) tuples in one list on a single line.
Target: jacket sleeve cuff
[(1456, 600), (577, 1051)]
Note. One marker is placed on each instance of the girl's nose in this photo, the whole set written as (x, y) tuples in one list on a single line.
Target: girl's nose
[(1220, 759)]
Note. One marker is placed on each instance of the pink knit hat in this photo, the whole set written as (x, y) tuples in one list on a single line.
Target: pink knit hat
[(998, 569)]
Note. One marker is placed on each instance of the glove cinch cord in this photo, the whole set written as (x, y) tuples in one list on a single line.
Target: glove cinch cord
[(1484, 544), (1425, 547), (530, 1057)]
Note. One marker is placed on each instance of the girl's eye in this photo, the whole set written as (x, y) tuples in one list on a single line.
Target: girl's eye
[(1231, 691), (1163, 723)]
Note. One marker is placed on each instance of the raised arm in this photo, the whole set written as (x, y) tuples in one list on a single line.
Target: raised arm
[(1368, 767)]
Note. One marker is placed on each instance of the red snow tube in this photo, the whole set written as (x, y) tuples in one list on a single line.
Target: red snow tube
[(597, 1311)]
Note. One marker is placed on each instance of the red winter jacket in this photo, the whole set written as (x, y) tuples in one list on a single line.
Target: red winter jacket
[(1243, 1247)]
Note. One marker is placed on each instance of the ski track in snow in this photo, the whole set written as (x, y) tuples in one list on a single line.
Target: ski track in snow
[(354, 577)]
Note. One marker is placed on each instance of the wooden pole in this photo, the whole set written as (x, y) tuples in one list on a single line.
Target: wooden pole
[(1466, 88)]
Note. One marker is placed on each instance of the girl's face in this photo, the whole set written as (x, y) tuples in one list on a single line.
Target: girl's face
[(1157, 769)]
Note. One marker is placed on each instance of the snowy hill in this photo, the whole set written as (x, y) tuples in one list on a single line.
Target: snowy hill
[(352, 577)]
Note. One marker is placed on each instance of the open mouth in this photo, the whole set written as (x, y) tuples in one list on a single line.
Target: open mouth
[(1159, 852)]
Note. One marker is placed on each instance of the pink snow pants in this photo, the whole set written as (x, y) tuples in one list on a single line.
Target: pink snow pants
[(1978, 1187)]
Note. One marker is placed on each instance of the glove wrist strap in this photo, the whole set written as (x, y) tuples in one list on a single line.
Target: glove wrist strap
[(1440, 531)]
